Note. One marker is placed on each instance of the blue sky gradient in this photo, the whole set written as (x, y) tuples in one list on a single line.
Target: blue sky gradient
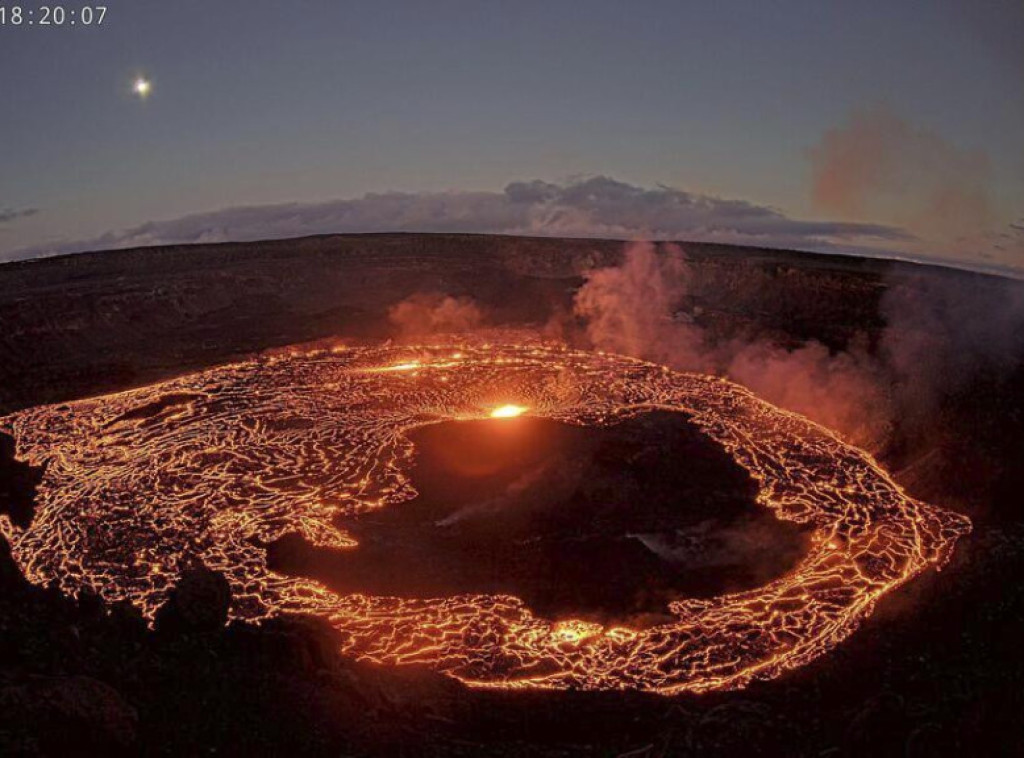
[(268, 102)]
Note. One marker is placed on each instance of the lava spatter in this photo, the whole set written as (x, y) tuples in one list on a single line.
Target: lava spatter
[(216, 465)]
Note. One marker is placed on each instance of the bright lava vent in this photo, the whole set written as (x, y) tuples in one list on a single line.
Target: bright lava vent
[(508, 411)]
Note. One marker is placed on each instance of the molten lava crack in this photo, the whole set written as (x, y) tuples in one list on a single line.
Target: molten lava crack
[(216, 464)]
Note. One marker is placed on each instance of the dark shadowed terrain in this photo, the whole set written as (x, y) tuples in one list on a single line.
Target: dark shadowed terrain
[(94, 322), (938, 670)]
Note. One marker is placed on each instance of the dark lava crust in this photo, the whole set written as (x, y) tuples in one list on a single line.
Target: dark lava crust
[(603, 523)]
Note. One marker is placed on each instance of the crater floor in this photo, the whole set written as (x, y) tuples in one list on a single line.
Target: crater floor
[(216, 466)]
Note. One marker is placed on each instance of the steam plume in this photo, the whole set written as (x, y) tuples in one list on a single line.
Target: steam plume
[(878, 165), (423, 314), (638, 309)]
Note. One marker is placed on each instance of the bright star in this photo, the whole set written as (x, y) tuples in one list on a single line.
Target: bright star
[(142, 87)]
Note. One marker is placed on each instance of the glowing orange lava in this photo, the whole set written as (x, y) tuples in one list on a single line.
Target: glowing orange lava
[(214, 465), (508, 411)]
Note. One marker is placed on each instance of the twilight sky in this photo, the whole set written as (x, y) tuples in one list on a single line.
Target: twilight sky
[(845, 126)]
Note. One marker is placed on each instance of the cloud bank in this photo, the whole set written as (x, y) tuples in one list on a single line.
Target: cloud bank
[(593, 207), (8, 215)]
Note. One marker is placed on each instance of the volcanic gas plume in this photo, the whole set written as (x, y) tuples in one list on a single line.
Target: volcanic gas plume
[(215, 466)]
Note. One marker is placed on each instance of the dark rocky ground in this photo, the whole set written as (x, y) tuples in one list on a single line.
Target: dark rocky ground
[(95, 322), (937, 670)]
